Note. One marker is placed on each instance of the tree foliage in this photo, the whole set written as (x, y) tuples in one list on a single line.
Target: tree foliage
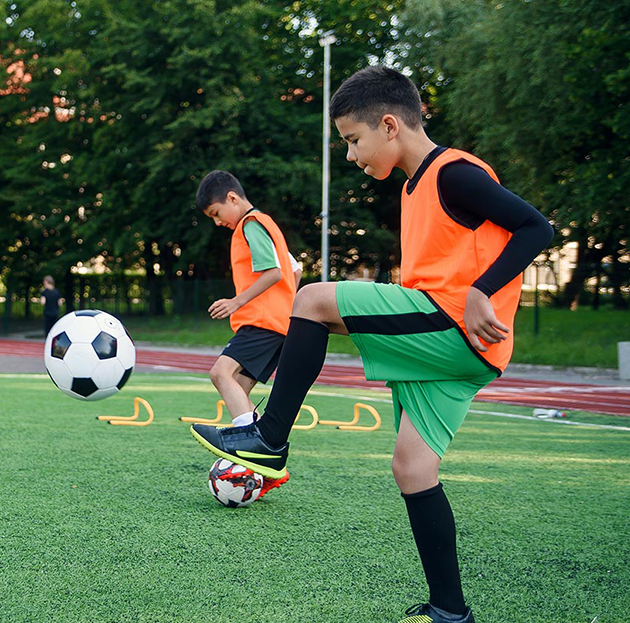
[(127, 104), (111, 112), (540, 88)]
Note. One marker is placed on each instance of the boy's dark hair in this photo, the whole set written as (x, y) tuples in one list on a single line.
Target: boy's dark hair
[(214, 188), (375, 91)]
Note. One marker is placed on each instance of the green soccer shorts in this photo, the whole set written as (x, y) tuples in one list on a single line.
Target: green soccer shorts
[(404, 339)]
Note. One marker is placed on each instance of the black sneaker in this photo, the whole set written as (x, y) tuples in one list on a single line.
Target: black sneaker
[(425, 613), (244, 445)]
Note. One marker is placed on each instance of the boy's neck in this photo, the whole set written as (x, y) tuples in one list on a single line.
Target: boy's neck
[(416, 146), (244, 208)]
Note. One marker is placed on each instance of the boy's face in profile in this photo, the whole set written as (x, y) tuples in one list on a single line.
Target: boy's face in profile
[(226, 213), (373, 150)]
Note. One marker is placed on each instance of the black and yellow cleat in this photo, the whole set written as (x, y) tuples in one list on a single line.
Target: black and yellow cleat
[(244, 445), (425, 613)]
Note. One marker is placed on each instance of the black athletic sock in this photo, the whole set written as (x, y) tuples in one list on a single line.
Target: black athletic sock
[(433, 528), (301, 361)]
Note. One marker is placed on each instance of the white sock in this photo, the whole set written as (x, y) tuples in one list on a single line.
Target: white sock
[(244, 419)]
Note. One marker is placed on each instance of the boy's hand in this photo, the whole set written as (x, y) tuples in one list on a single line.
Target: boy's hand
[(223, 308), (481, 322)]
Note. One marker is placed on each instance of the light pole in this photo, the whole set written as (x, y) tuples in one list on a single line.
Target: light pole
[(536, 312), (325, 41)]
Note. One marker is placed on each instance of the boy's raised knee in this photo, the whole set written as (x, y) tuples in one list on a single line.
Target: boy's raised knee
[(305, 299), (316, 301)]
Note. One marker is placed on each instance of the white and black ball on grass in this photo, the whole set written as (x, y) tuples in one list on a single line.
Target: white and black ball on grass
[(89, 355), (234, 485)]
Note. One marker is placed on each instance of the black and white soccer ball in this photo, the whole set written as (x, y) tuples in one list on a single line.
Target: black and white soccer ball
[(234, 485), (89, 355)]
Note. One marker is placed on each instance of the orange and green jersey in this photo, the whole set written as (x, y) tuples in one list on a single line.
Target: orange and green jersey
[(443, 257), (270, 309)]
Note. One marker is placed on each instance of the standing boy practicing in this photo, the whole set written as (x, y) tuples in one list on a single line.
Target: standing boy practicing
[(437, 339), (51, 300), (265, 278)]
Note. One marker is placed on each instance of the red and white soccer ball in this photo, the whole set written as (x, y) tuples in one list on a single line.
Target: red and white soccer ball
[(89, 355), (234, 485)]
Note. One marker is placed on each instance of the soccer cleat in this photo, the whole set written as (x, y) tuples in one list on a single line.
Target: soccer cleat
[(272, 483), (244, 445), (425, 613)]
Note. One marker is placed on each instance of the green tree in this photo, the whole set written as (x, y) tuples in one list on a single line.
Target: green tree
[(43, 196), (539, 88), (129, 103)]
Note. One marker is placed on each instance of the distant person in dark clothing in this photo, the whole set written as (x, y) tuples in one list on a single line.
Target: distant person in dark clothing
[(51, 300)]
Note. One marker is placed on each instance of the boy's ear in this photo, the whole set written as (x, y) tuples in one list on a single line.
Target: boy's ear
[(231, 197), (391, 125)]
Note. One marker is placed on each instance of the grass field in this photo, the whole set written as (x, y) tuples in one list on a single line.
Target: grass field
[(583, 337), (104, 524)]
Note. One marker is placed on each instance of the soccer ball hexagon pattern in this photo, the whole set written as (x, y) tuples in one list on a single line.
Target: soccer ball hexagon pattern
[(234, 485), (89, 355)]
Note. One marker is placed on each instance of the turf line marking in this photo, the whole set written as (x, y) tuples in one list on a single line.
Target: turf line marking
[(477, 411), (557, 389), (25, 375), (351, 396), (535, 419), (178, 377)]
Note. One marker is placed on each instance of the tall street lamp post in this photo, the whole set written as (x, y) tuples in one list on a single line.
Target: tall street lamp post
[(326, 40)]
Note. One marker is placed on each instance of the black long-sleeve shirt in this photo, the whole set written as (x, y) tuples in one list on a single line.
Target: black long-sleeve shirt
[(470, 196)]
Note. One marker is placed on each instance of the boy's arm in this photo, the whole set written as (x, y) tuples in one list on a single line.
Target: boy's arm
[(297, 271), (472, 196), (226, 307)]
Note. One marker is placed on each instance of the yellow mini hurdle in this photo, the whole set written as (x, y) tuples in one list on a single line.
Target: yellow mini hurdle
[(310, 425), (131, 420), (212, 422), (357, 407), (353, 424)]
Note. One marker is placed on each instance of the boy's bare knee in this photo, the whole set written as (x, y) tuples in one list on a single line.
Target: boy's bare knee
[(305, 300), (214, 377), (317, 301), (411, 475), (400, 468), (217, 374)]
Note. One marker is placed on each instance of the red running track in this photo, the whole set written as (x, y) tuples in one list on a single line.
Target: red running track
[(613, 400)]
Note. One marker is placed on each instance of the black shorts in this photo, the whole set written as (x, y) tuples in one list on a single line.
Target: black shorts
[(257, 350)]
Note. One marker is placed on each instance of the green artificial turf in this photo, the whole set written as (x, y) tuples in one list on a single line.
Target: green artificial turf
[(103, 524)]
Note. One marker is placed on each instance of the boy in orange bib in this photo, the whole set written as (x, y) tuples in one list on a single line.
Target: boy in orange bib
[(265, 278), (437, 338)]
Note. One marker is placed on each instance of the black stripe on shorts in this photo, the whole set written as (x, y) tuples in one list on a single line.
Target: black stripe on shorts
[(399, 324)]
